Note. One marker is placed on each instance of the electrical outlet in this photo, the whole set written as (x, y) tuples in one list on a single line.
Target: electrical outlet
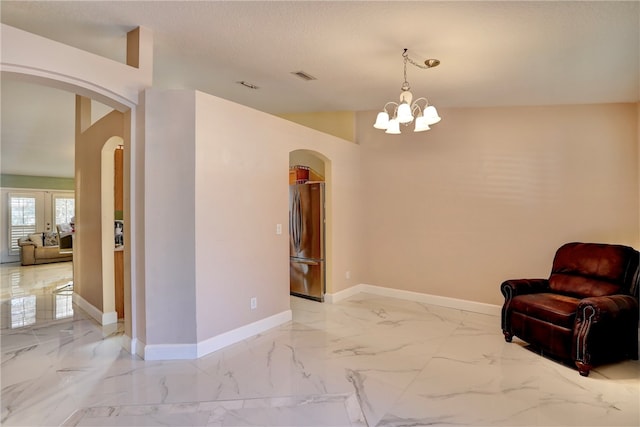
[(278, 228), (347, 275), (254, 303)]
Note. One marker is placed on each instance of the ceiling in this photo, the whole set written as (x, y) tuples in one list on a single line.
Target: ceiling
[(492, 54)]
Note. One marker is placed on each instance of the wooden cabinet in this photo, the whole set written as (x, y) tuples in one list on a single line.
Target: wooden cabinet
[(118, 254), (118, 258), (118, 184), (300, 174)]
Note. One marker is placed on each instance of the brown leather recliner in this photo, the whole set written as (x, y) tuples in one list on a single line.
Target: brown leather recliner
[(585, 312)]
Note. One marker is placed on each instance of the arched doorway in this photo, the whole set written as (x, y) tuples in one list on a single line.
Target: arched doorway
[(112, 84), (318, 168), (111, 200)]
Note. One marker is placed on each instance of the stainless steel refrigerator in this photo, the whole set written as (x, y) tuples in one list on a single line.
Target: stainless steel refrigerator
[(306, 240)]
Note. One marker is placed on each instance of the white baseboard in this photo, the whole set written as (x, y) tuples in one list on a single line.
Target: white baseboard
[(194, 351), (170, 351), (100, 317), (137, 348), (128, 344), (110, 318), (344, 294), (460, 304), (133, 346), (236, 335)]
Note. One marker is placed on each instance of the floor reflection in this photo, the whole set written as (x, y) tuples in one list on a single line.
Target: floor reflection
[(35, 294)]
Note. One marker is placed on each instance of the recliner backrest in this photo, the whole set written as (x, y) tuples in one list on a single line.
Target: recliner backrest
[(594, 269)]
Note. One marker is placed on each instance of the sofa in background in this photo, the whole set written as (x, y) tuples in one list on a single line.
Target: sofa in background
[(586, 312), (42, 248)]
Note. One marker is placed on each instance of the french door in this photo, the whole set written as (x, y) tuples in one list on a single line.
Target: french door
[(31, 211)]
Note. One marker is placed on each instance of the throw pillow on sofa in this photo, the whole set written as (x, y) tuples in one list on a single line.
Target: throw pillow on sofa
[(37, 239), (50, 238)]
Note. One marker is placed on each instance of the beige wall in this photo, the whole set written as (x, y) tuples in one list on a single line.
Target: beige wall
[(241, 194), (489, 194), (90, 139), (212, 202), (336, 123), (134, 216), (169, 223)]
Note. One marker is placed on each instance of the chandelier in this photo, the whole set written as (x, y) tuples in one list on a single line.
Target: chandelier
[(406, 111)]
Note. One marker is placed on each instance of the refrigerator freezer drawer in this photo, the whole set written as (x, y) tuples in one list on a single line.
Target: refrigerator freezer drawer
[(307, 278)]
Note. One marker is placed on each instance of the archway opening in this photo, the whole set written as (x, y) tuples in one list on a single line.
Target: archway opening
[(112, 239), (308, 167), (120, 88), (103, 313)]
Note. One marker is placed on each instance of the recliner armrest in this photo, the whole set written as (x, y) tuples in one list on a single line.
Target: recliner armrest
[(513, 287), (596, 309), (603, 322)]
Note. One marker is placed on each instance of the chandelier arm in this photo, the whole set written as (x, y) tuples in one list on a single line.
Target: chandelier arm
[(394, 112), (395, 105), (416, 106), (426, 102)]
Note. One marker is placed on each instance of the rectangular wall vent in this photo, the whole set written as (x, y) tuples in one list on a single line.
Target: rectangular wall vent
[(303, 75), (248, 85)]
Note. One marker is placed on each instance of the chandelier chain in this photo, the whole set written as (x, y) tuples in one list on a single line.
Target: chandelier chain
[(406, 83), (406, 58)]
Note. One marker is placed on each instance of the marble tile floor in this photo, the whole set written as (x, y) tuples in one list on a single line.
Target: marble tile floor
[(366, 361)]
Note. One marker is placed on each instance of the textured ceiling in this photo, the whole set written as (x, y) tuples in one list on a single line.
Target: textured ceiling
[(492, 53)]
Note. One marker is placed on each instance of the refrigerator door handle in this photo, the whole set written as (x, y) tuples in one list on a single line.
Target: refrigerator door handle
[(296, 222), (307, 262)]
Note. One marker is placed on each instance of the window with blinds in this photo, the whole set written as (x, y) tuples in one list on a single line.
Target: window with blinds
[(22, 212), (64, 209)]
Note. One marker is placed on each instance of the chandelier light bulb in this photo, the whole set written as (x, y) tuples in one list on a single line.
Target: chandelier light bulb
[(394, 127), (382, 121), (431, 115), (404, 113), (421, 124)]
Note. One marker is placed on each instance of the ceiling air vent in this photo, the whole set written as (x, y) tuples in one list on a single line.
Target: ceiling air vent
[(303, 75), (247, 84)]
